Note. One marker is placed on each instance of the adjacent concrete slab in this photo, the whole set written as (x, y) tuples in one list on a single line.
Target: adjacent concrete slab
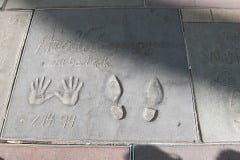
[(226, 15), (31, 4), (218, 3), (196, 15), (214, 57), (1, 3), (9, 152), (111, 72), (211, 15), (188, 152), (13, 32)]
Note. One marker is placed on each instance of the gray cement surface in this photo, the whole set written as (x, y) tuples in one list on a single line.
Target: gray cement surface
[(214, 58), (13, 30), (31, 4), (103, 75)]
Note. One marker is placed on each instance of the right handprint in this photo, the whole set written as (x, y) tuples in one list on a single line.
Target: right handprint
[(71, 91), (154, 94)]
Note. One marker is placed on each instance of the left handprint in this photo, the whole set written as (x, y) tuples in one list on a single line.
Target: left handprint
[(38, 93)]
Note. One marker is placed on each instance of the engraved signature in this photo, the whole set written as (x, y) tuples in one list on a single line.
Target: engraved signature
[(52, 119)]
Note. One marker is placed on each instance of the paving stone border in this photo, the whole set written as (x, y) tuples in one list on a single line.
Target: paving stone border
[(137, 152), (46, 152)]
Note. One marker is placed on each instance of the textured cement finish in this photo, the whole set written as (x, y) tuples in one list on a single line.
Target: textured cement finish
[(38, 152), (196, 152), (214, 58), (13, 30), (107, 73), (30, 4)]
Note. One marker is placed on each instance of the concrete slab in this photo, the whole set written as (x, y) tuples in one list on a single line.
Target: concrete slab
[(214, 58), (31, 4), (133, 81), (188, 152), (38, 152), (13, 30)]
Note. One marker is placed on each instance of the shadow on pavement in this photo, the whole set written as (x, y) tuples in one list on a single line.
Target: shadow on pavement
[(229, 155), (153, 153)]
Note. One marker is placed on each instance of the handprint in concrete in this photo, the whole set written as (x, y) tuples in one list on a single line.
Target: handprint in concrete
[(71, 92), (38, 93)]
